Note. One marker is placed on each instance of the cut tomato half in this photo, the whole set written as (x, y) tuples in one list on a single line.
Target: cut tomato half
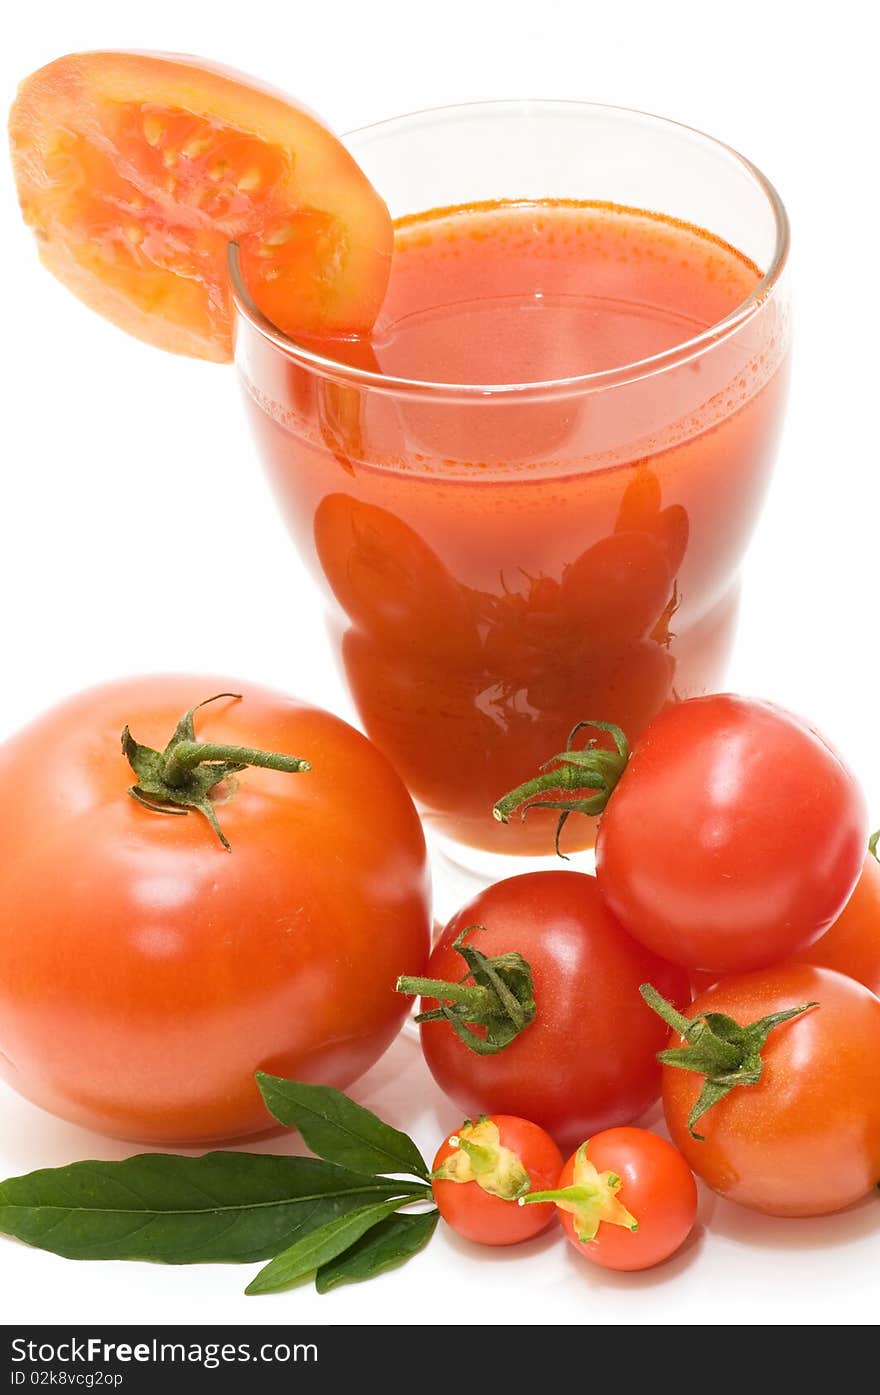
[(136, 171)]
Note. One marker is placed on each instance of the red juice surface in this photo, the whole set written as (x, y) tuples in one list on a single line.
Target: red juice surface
[(500, 566)]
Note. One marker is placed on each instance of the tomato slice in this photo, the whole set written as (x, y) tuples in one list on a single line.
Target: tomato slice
[(136, 171)]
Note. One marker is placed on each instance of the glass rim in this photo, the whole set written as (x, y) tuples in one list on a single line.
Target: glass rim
[(582, 382)]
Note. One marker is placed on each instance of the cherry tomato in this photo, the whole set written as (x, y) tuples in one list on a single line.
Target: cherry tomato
[(145, 972), (852, 945), (643, 1203), (136, 171), (481, 1170), (587, 1060), (805, 1139), (734, 837)]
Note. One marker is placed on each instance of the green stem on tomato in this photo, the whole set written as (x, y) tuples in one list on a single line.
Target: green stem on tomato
[(575, 781), (715, 1046), (182, 776), (590, 1200), (671, 1016), (499, 1002), (470, 995), (188, 754)]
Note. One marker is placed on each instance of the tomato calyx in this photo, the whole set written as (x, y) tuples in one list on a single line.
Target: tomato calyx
[(872, 845), (591, 1200), (500, 999), (481, 1157), (579, 781), (182, 776), (725, 1052)]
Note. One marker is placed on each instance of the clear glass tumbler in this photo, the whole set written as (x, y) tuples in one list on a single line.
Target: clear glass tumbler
[(502, 560)]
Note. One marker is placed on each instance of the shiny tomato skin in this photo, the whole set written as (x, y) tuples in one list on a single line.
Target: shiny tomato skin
[(734, 837), (657, 1188), (490, 1220), (145, 973), (136, 170), (587, 1061), (805, 1140), (852, 945)]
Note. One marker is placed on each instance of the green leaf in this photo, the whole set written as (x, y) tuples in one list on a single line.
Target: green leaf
[(390, 1243), (235, 1207), (325, 1243), (336, 1128)]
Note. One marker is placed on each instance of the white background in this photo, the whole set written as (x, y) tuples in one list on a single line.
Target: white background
[(109, 448)]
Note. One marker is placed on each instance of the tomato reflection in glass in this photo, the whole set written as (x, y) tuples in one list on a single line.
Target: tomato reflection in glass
[(466, 689)]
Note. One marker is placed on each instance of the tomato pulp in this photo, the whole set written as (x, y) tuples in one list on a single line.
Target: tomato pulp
[(502, 565), (136, 170)]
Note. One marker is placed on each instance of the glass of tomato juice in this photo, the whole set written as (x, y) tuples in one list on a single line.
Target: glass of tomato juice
[(527, 496)]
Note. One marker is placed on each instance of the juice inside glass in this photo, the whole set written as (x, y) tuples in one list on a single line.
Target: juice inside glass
[(527, 497)]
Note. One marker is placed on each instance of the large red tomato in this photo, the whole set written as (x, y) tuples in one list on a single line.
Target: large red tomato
[(146, 972), (587, 1059)]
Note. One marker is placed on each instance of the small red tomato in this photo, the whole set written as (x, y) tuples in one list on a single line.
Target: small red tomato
[(585, 1057), (800, 1135), (481, 1171), (852, 945), (730, 838), (627, 1199), (734, 838)]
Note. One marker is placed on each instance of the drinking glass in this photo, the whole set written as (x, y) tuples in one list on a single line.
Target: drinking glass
[(499, 561)]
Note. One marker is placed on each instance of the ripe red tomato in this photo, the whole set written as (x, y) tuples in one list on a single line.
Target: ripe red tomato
[(734, 837), (805, 1139), (852, 945), (146, 973), (136, 171), (588, 1058), (637, 1202), (481, 1170)]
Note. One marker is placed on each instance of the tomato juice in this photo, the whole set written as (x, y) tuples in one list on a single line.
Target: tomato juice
[(563, 543)]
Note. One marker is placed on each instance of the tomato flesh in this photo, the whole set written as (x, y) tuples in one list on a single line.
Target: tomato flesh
[(137, 171)]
